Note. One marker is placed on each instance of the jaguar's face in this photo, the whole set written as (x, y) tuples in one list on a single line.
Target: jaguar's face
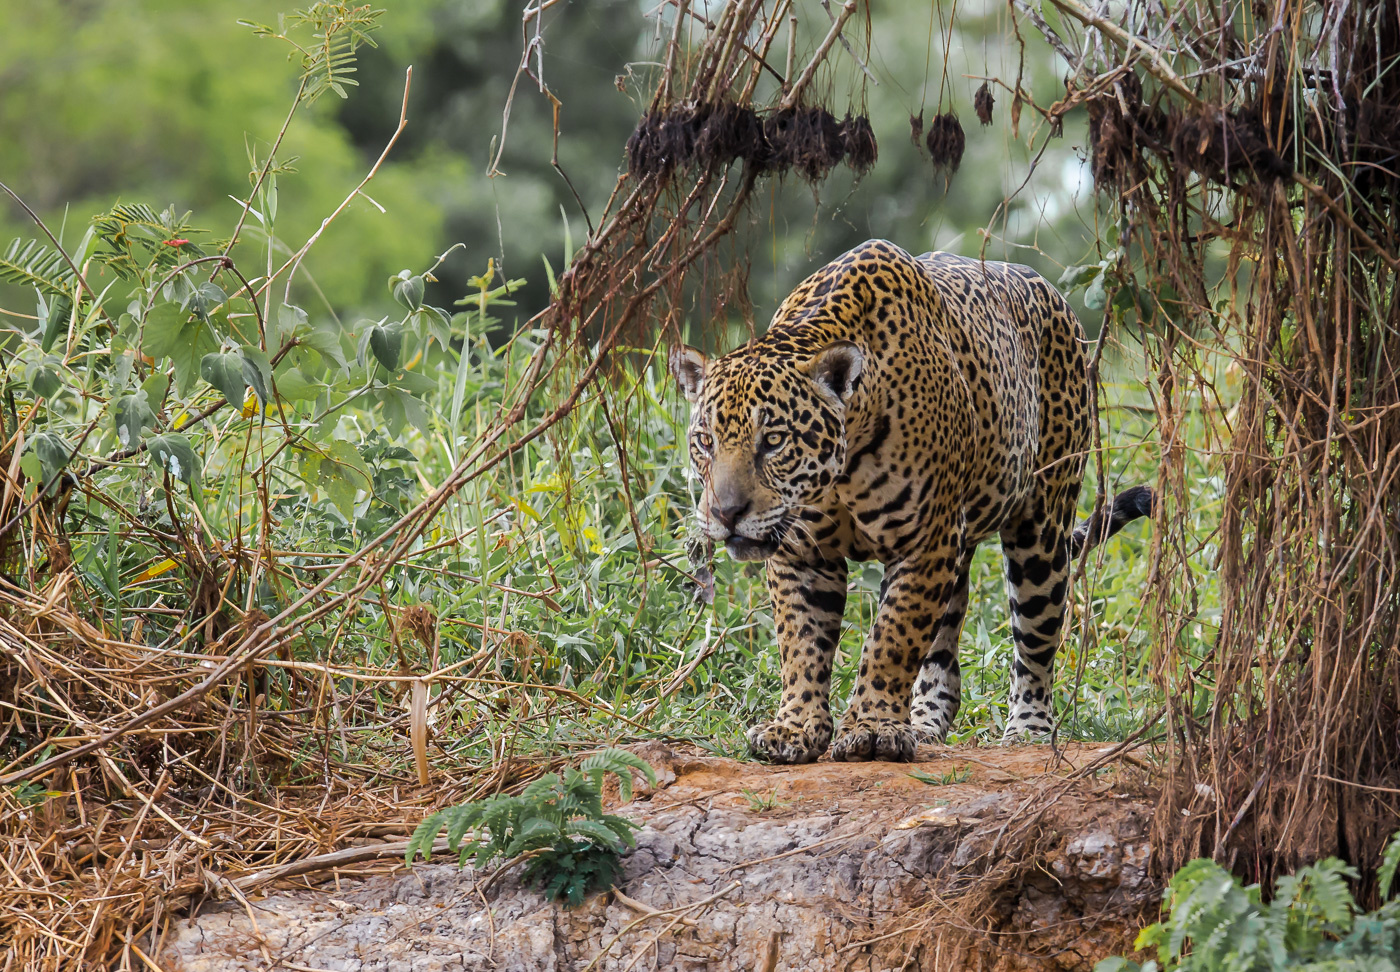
[(767, 437)]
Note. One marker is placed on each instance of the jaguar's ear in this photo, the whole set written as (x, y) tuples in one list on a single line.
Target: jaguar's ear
[(688, 365), (835, 369)]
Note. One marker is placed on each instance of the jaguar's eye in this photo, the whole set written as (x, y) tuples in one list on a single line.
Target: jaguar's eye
[(774, 439), (705, 441)]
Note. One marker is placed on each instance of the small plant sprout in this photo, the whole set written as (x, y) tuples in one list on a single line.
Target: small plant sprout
[(760, 802), (959, 775)]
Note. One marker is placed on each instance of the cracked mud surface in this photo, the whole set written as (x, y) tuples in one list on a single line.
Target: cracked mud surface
[(853, 866)]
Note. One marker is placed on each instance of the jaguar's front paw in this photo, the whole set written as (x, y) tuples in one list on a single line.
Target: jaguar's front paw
[(875, 739), (780, 742), (932, 732)]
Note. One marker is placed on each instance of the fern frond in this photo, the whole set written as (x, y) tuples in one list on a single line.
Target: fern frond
[(423, 837), (1390, 860), (30, 263), (599, 833), (621, 764)]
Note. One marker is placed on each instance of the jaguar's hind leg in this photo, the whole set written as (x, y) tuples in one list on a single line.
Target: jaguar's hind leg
[(1036, 551), (938, 688)]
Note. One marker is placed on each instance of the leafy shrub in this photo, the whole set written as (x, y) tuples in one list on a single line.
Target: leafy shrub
[(557, 823), (1311, 923)]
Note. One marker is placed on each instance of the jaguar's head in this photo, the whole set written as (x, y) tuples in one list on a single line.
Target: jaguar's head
[(767, 437)]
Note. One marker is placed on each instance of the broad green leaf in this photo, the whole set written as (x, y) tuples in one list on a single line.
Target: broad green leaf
[(414, 383), (176, 456), (257, 372), (32, 466), (54, 454), (325, 338), (293, 386), (386, 343), (1076, 277), (163, 329), (45, 381), (123, 363), (340, 471), (437, 322), (1096, 296), (204, 298), (132, 416), (407, 289), (155, 386), (291, 320), (224, 370), (400, 409), (172, 333)]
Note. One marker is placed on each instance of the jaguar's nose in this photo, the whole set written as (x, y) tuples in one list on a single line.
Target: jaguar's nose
[(727, 516)]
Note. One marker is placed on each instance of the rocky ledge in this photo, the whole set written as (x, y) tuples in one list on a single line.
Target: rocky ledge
[(999, 859)]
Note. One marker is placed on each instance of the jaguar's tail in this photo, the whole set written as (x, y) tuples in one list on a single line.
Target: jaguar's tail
[(1126, 507)]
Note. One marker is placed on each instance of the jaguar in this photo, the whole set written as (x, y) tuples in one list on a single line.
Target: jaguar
[(900, 409)]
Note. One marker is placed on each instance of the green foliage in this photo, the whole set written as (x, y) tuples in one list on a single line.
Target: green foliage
[(1216, 925), (328, 57), (572, 845)]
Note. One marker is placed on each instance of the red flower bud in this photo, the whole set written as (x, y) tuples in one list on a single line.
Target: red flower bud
[(176, 242)]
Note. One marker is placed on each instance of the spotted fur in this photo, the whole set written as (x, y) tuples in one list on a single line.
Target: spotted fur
[(900, 409)]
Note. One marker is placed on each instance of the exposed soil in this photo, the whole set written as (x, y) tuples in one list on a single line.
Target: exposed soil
[(1003, 863)]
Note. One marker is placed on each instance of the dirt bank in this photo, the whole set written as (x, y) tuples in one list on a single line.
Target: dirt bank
[(994, 860)]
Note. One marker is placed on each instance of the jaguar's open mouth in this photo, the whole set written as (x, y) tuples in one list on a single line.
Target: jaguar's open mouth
[(747, 548)]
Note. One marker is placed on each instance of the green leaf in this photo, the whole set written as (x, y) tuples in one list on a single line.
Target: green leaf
[(54, 454), (386, 343), (257, 372), (407, 289), (290, 321), (132, 416), (176, 456), (45, 381), (621, 764), (341, 472), (597, 833), (204, 297), (400, 409), (123, 363), (53, 318), (155, 386), (1096, 297), (32, 467), (164, 325), (1075, 277), (224, 370), (171, 333), (325, 338), (293, 386), (437, 322)]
